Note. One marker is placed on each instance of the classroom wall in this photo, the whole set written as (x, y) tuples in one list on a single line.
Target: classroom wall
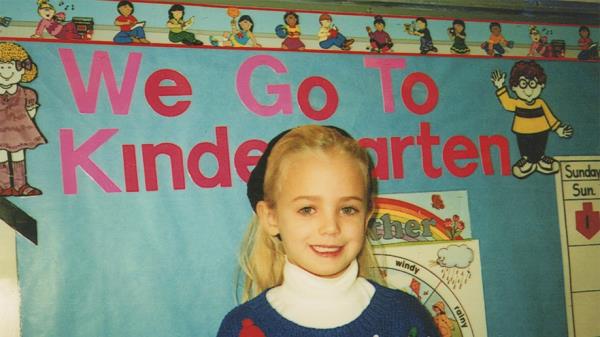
[(143, 201)]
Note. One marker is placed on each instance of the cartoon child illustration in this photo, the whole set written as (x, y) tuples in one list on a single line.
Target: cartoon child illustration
[(441, 320), (458, 36), (494, 46), (290, 31), (539, 44), (132, 30), (589, 48), (422, 31), (241, 35), (533, 119), (177, 27), (54, 23), (329, 34), (18, 130), (379, 39)]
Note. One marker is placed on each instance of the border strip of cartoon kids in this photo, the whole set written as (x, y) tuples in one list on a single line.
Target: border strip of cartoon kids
[(218, 26)]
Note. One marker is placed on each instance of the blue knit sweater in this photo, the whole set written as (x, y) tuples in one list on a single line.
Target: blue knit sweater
[(391, 313)]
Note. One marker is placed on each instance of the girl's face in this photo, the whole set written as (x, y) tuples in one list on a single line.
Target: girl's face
[(325, 23), (177, 14), (125, 10), (246, 25), (379, 26), (458, 28), (421, 24), (320, 211), (291, 20), (535, 36), (46, 12), (9, 75)]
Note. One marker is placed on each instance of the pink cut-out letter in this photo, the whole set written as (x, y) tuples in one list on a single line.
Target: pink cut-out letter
[(71, 158), (283, 91), (385, 66), (86, 99)]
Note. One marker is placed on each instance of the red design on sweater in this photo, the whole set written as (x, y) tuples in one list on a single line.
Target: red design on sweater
[(250, 330)]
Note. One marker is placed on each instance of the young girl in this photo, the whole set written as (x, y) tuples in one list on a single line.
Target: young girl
[(379, 39), (242, 34), (177, 26), (292, 26), (305, 256), (458, 36), (53, 23), (131, 30), (18, 130)]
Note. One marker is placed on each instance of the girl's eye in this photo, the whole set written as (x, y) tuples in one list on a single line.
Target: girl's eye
[(306, 210), (349, 210)]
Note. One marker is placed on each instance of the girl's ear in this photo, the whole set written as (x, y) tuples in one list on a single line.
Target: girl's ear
[(267, 218)]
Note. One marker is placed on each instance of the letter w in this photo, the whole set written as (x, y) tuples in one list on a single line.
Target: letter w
[(86, 99)]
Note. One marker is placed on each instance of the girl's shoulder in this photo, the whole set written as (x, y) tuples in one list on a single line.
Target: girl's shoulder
[(244, 315)]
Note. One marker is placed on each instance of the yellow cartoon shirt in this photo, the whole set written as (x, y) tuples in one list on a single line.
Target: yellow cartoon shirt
[(529, 118)]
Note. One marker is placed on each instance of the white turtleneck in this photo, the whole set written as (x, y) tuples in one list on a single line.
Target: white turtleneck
[(316, 302)]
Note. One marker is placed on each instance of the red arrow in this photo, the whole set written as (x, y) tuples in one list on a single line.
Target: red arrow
[(587, 221)]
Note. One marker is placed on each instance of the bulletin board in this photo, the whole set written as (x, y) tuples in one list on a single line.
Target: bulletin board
[(123, 211)]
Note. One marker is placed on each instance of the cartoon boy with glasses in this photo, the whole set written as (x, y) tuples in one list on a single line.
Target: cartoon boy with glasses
[(533, 118)]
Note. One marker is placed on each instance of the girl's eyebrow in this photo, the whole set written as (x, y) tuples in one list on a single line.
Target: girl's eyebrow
[(352, 197), (307, 197), (316, 198)]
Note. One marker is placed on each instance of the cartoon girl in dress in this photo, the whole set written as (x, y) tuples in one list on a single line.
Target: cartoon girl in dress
[(18, 130), (292, 26), (458, 36), (53, 23)]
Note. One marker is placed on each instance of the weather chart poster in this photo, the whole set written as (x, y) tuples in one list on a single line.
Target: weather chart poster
[(128, 132)]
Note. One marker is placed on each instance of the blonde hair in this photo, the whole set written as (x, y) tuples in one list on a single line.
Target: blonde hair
[(10, 52), (44, 4), (262, 256)]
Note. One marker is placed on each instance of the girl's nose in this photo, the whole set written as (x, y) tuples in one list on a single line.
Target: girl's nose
[(329, 225)]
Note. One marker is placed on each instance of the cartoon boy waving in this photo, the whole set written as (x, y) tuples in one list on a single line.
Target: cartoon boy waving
[(533, 119)]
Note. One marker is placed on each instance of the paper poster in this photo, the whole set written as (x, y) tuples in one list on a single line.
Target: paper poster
[(412, 217), (424, 248), (578, 196), (445, 277)]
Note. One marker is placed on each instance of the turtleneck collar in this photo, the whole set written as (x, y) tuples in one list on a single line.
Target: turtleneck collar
[(317, 302)]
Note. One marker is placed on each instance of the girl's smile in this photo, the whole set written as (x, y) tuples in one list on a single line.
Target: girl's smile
[(9, 75), (327, 250)]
